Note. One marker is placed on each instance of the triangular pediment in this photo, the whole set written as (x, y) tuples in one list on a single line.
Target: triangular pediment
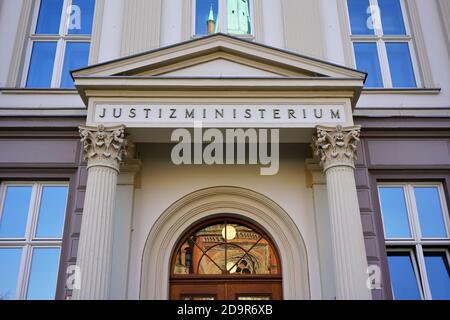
[(218, 55)]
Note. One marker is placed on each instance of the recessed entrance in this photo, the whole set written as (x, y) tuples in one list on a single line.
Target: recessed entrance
[(225, 259)]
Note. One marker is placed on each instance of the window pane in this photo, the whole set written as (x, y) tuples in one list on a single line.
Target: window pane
[(395, 214), (43, 274), (49, 17), (400, 64), (41, 65), (51, 212), (366, 55), (438, 273), (203, 11), (391, 17), (229, 248), (9, 272), (81, 16), (359, 17), (403, 277), (430, 212), (77, 54), (15, 212), (238, 18)]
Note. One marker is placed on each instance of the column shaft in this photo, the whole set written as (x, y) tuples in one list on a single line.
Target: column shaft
[(349, 256), (95, 246)]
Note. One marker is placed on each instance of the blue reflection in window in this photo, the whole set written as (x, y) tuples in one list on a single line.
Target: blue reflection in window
[(43, 274), (438, 273), (400, 65), (15, 212), (395, 214), (81, 17), (391, 17), (430, 212), (41, 65), (403, 278), (357, 10), (366, 56), (49, 17), (202, 9), (76, 56), (9, 272), (52, 212)]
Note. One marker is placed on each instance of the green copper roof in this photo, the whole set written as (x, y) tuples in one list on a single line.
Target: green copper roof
[(238, 17)]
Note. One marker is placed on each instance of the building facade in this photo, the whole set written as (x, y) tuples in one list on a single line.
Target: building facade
[(260, 149)]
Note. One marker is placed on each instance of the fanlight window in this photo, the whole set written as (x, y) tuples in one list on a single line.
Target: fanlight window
[(226, 248)]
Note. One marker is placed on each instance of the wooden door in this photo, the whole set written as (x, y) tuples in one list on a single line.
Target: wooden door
[(225, 290)]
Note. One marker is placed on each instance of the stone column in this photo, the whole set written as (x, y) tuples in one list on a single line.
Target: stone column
[(103, 150), (336, 149)]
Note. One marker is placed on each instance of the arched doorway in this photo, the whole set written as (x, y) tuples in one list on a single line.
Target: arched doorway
[(225, 259), (200, 205)]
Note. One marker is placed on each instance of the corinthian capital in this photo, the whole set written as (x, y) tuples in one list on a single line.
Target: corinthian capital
[(336, 146), (103, 146)]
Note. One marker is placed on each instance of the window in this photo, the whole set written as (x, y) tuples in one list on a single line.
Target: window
[(416, 229), (226, 16), (59, 42), (226, 248), (382, 44), (31, 229)]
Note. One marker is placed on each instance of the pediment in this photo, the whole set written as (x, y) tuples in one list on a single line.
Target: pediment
[(218, 55)]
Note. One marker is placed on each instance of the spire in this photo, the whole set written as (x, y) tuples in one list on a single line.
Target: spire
[(211, 13), (211, 23)]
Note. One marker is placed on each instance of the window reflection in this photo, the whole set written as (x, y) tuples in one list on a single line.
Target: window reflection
[(226, 249)]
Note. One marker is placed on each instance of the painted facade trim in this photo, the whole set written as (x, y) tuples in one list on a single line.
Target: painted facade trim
[(444, 11), (20, 43), (96, 31)]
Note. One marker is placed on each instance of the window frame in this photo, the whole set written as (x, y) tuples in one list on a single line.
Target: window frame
[(223, 23), (29, 242), (61, 40), (417, 244), (380, 40)]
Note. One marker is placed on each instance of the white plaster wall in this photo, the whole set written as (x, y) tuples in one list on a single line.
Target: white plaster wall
[(163, 183), (334, 50), (9, 20), (110, 40), (273, 23), (171, 27)]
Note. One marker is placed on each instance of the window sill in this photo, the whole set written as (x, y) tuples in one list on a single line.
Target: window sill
[(401, 90), (37, 91), (248, 37)]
